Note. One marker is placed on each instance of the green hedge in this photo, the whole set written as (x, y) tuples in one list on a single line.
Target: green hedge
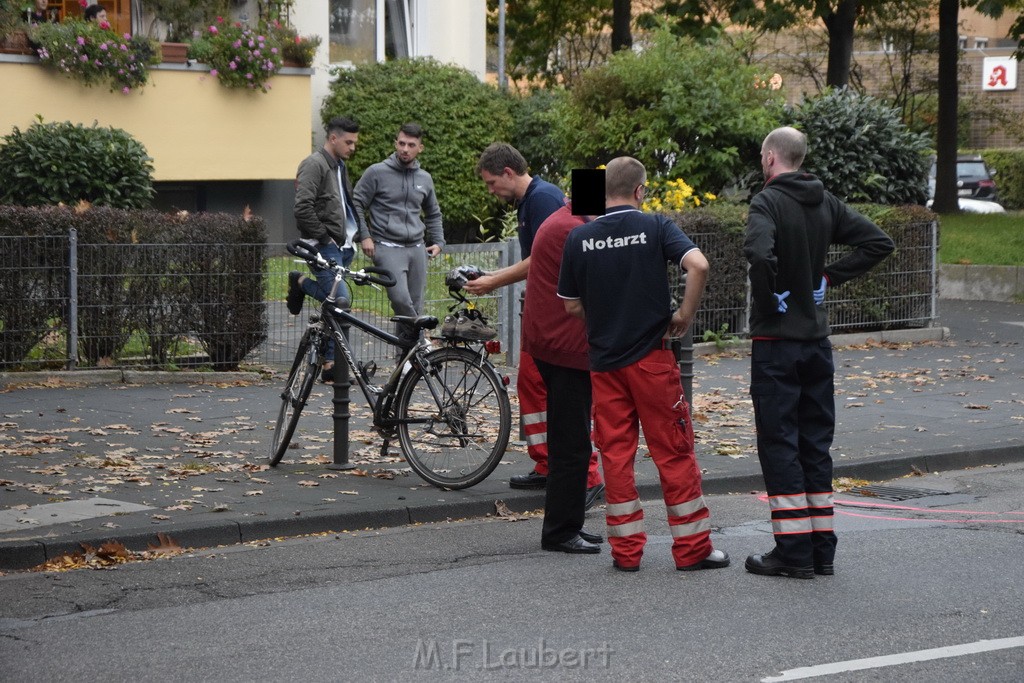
[(1009, 167), (161, 276)]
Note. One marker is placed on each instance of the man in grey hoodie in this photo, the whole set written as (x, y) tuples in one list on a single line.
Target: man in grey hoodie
[(400, 212)]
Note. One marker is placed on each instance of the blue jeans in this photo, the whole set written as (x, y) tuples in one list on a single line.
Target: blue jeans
[(321, 287)]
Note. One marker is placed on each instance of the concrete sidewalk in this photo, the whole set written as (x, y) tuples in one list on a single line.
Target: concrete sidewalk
[(88, 457)]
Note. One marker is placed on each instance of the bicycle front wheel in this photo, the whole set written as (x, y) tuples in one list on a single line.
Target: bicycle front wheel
[(456, 442), (296, 393)]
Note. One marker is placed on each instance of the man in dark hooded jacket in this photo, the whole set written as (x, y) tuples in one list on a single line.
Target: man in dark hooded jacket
[(792, 223)]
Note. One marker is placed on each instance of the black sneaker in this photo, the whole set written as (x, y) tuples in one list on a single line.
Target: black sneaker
[(295, 294)]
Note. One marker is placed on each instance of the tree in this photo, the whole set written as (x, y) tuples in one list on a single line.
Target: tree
[(554, 41), (622, 34), (840, 17), (685, 109), (949, 92)]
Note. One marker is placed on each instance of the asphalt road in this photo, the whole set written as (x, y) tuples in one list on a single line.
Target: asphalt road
[(931, 584)]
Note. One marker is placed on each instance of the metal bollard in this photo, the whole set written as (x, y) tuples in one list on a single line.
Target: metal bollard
[(342, 384), (682, 348)]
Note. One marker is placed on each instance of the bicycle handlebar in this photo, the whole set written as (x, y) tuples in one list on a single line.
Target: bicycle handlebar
[(369, 275)]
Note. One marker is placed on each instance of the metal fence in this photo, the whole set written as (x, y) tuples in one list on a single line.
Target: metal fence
[(56, 312)]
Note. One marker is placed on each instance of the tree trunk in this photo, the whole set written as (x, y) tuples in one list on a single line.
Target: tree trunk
[(949, 85), (622, 36), (840, 25)]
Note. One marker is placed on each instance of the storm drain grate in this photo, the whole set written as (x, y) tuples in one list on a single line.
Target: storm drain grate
[(895, 493)]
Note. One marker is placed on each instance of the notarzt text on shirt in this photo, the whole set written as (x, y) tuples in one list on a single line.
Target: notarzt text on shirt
[(614, 242)]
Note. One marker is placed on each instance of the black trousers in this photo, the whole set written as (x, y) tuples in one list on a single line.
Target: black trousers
[(791, 384), (568, 409)]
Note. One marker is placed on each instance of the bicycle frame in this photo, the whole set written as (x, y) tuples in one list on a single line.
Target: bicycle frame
[(379, 399)]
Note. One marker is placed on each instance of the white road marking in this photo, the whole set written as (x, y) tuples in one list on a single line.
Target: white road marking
[(896, 660)]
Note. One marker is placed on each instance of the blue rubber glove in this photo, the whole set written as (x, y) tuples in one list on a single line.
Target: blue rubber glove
[(781, 299), (819, 293)]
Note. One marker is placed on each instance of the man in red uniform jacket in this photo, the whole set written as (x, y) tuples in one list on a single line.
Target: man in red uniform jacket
[(557, 344)]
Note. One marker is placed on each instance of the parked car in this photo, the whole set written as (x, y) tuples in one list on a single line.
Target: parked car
[(976, 189), (974, 180)]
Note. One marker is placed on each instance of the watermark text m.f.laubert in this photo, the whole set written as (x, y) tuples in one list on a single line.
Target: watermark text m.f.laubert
[(483, 654)]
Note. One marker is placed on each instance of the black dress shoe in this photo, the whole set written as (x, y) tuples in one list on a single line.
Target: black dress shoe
[(528, 481), (591, 538), (625, 567), (770, 565), (716, 560), (295, 294), (824, 569), (576, 545), (593, 493)]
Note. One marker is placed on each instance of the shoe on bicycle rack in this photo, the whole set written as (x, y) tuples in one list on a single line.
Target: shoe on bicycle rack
[(461, 326), (295, 294)]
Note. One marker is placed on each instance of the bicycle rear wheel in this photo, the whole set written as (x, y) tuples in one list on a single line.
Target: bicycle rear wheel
[(296, 392), (458, 443)]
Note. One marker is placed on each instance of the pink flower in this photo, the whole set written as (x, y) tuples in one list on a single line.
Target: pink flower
[(126, 90), (213, 30), (81, 40), (220, 20), (237, 44), (232, 65), (83, 3), (298, 40), (105, 25), (248, 77), (103, 46), (213, 72), (84, 58)]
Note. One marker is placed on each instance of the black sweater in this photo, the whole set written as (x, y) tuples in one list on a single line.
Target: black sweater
[(792, 223)]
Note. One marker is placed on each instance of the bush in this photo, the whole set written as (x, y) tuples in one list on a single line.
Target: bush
[(240, 57), (162, 276), (225, 283), (91, 53), (533, 118), (33, 278), (1009, 167), (686, 110), (50, 163), (718, 230), (459, 114), (861, 150)]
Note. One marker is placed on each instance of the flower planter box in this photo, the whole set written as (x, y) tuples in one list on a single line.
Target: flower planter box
[(16, 43), (173, 53)]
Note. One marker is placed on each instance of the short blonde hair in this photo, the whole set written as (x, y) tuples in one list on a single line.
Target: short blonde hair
[(622, 176), (789, 143)]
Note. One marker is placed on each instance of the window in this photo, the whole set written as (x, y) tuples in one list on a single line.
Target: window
[(962, 42), (980, 43), (888, 44), (352, 32), (357, 37)]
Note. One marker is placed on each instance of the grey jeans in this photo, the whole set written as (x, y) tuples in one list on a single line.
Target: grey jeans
[(409, 266)]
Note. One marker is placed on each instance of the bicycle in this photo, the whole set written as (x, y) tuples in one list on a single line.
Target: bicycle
[(447, 407)]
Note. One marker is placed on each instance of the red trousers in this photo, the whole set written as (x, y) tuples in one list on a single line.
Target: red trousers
[(648, 393), (533, 411)]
